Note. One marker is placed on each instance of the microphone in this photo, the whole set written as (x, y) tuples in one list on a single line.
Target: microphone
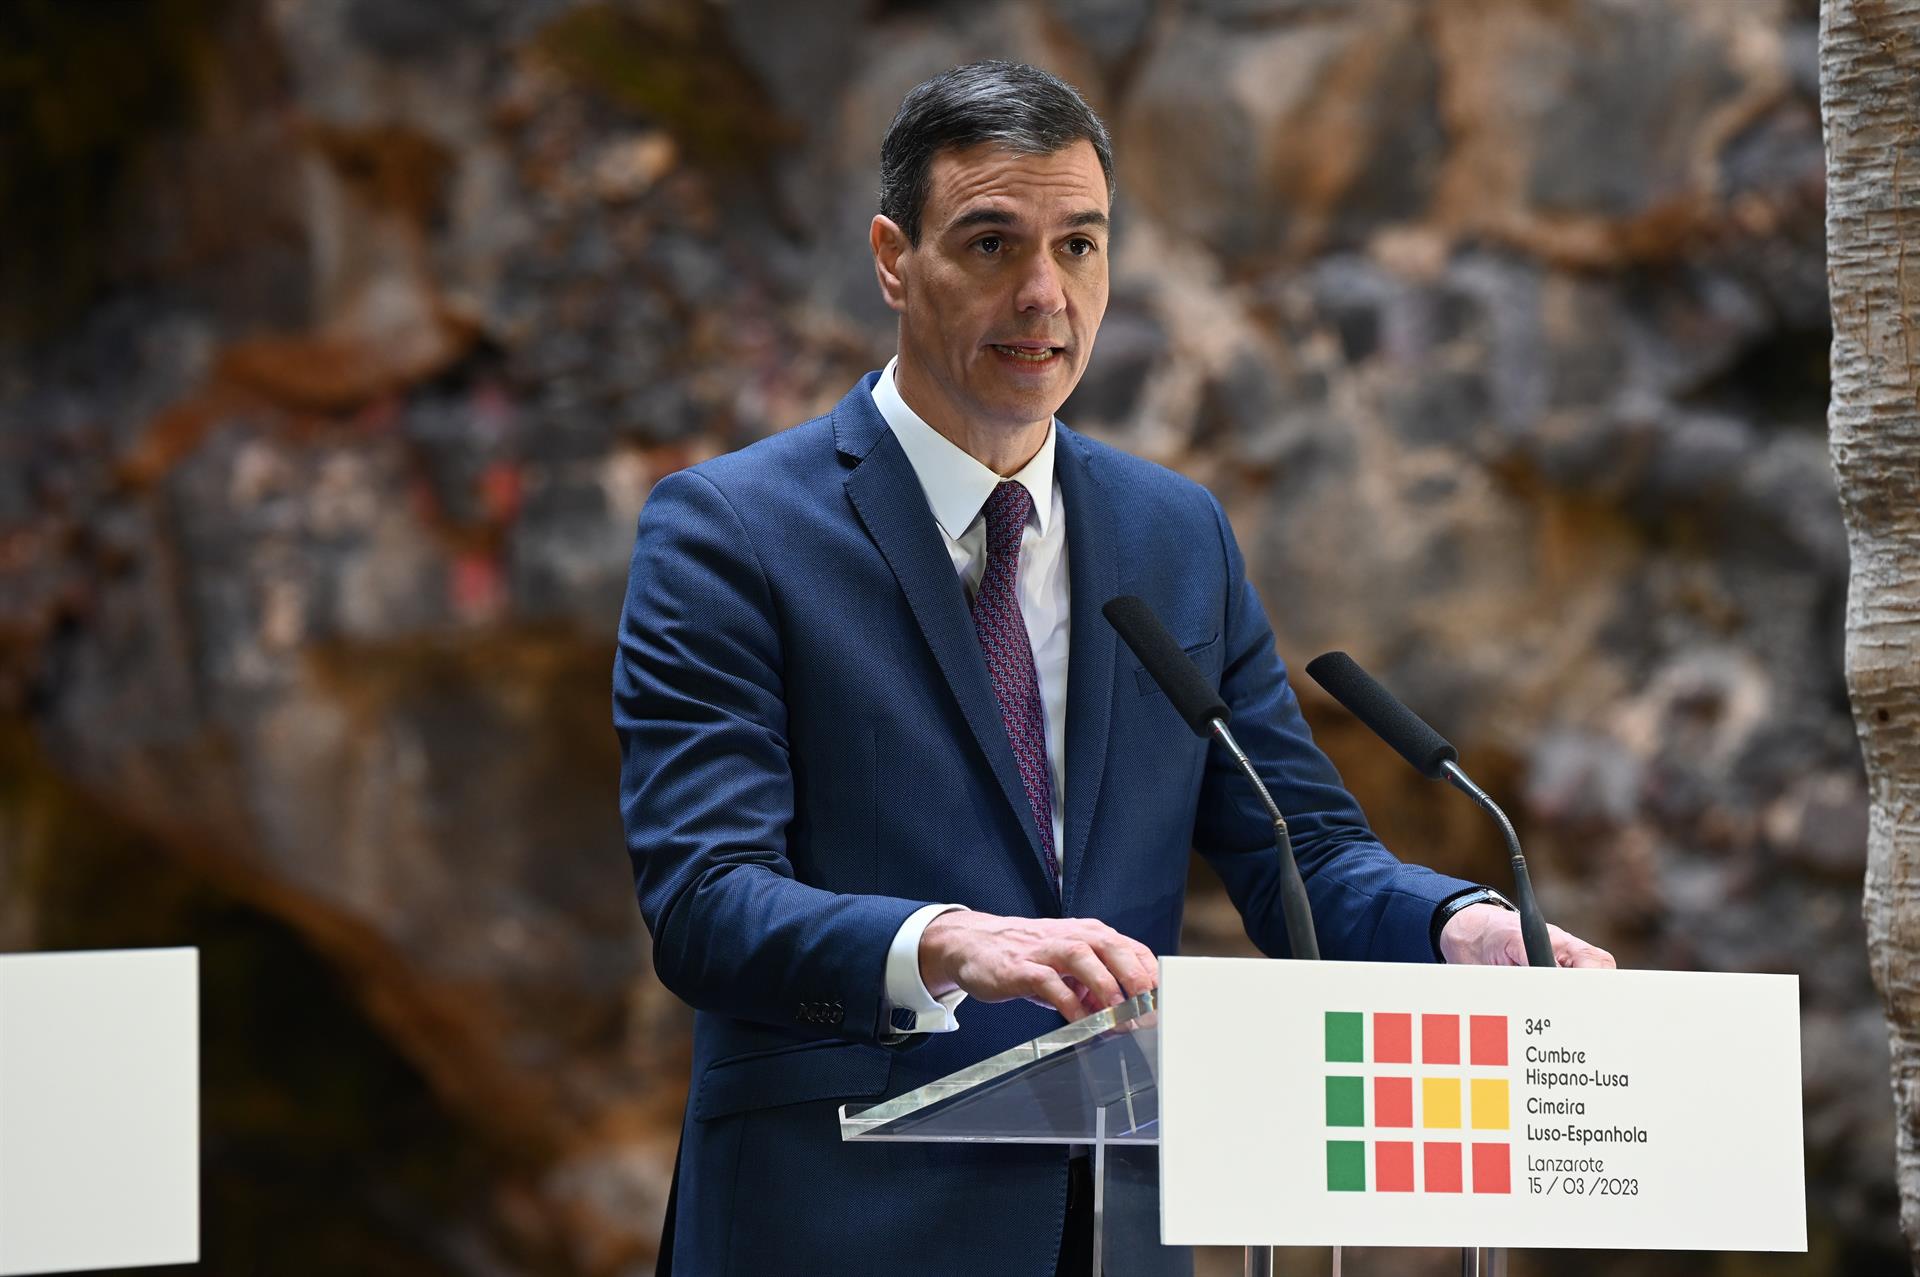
[(1195, 700), (1186, 687), (1427, 750), (1434, 757)]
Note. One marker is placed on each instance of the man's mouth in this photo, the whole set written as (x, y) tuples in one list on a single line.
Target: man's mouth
[(1030, 354)]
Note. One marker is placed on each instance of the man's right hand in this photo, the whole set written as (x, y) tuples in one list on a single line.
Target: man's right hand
[(1075, 965)]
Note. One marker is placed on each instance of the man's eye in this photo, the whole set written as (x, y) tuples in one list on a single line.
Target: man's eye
[(988, 244), (1082, 247)]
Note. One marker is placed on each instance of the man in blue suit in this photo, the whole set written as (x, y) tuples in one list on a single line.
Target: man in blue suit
[(882, 755)]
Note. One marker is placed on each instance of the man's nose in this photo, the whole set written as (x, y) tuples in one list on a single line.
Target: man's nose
[(1040, 291)]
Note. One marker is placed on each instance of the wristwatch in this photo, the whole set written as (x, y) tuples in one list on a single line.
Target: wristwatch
[(1454, 904)]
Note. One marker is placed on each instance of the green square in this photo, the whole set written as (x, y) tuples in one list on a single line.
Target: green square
[(1346, 1101), (1343, 1037), (1346, 1166)]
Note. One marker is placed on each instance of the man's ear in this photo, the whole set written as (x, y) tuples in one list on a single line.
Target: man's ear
[(890, 256)]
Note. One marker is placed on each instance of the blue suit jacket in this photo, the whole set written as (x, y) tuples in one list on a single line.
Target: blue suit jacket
[(811, 750)]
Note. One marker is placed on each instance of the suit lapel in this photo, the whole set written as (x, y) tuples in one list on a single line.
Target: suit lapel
[(1090, 647), (886, 493)]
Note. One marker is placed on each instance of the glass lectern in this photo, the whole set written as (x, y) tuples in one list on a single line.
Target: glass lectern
[(1090, 1084)]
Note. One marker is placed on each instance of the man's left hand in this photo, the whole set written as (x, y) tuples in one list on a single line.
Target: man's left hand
[(1489, 936)]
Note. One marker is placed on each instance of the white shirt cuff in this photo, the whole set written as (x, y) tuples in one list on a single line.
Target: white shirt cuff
[(906, 991)]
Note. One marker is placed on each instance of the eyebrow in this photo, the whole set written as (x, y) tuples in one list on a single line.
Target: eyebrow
[(1000, 217)]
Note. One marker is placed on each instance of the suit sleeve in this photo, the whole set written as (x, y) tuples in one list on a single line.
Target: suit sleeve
[(707, 793), (1366, 903)]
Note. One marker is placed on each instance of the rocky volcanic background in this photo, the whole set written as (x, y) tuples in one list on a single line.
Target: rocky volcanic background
[(343, 340)]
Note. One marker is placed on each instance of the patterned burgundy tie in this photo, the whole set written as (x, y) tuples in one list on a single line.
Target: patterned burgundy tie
[(1009, 652)]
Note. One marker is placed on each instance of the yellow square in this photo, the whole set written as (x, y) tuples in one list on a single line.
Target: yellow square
[(1489, 1103), (1440, 1102)]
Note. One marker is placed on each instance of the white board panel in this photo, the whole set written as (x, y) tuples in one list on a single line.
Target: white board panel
[(1337, 1103), (99, 1110)]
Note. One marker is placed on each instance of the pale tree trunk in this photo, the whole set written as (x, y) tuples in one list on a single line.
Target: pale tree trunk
[(1870, 101)]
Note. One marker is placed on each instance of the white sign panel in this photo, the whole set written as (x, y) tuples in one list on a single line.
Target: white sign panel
[(99, 1110), (1353, 1103)]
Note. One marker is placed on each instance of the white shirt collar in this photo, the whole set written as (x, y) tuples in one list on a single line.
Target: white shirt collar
[(957, 486)]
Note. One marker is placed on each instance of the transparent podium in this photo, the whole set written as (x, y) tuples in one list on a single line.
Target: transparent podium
[(1090, 1084)]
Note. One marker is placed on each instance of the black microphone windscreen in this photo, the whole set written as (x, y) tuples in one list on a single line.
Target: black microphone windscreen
[(1186, 687), (1375, 706)]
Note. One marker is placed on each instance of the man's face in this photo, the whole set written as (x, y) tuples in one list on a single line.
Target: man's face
[(1000, 301)]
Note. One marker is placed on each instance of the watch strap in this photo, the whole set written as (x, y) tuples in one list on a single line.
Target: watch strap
[(1453, 904)]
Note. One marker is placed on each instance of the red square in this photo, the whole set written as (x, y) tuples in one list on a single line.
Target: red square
[(1393, 1101), (1443, 1167), (1440, 1039), (1392, 1037), (1487, 1038), (1392, 1167), (1490, 1170)]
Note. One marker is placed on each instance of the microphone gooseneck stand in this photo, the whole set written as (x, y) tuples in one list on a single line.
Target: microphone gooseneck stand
[(1196, 701), (1301, 937), (1294, 906), (1533, 926)]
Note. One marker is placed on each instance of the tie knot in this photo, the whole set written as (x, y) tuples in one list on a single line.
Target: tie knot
[(1007, 510)]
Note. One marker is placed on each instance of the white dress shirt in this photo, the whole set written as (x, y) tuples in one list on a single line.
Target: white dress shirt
[(957, 488)]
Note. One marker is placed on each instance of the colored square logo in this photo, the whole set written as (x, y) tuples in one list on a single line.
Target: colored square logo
[(1343, 1037), (1393, 1101), (1393, 1167), (1442, 1167), (1487, 1039), (1489, 1100), (1491, 1171), (1440, 1103), (1346, 1101), (1377, 1102), (1392, 1037), (1346, 1166)]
